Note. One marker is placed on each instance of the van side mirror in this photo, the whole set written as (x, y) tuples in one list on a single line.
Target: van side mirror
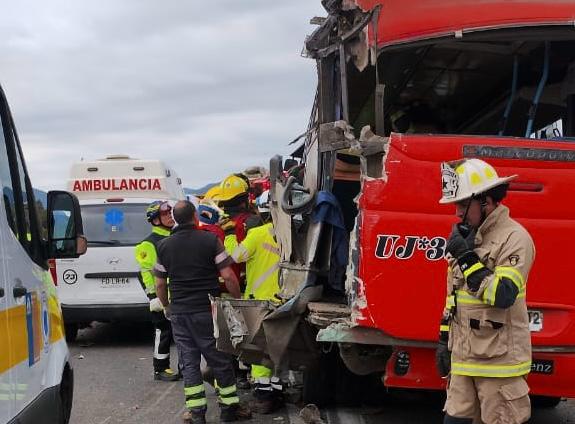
[(65, 230)]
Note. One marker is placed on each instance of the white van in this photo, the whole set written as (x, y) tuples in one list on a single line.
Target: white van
[(36, 379), (114, 193)]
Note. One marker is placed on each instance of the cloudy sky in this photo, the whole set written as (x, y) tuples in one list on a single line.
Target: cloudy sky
[(209, 87)]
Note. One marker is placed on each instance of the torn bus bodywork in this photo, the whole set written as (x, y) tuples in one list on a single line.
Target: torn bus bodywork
[(496, 82)]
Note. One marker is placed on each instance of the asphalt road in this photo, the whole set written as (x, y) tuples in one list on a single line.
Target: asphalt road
[(114, 384)]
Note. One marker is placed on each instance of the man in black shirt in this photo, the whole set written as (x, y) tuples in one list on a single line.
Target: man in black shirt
[(193, 260)]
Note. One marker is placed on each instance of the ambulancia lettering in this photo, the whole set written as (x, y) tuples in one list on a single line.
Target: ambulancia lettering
[(405, 247), (142, 184)]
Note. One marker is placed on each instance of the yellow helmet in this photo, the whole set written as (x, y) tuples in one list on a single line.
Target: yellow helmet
[(231, 187), (212, 193), (467, 178)]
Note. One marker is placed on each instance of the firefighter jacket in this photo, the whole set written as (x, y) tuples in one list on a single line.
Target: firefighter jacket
[(146, 257), (489, 329), (261, 253)]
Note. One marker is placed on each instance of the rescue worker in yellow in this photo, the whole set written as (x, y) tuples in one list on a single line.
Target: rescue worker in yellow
[(260, 252), (485, 343), (159, 214)]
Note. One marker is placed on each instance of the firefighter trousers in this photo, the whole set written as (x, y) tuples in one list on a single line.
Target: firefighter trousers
[(162, 341), (194, 336), (496, 400)]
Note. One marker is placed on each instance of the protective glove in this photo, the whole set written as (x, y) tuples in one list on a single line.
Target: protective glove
[(458, 244), (167, 313), (443, 359), (156, 305)]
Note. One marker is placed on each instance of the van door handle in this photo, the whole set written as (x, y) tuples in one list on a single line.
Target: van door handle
[(19, 291), (1, 292)]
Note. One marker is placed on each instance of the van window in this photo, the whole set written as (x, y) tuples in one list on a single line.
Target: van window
[(115, 225), (6, 181)]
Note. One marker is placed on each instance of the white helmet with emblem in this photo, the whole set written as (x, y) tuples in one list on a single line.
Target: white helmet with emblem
[(467, 178), (263, 202)]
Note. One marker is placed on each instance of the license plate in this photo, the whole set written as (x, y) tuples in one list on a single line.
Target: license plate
[(535, 321), (542, 366), (115, 281)]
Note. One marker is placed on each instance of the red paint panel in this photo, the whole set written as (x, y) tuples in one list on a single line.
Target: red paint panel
[(403, 229), (402, 21)]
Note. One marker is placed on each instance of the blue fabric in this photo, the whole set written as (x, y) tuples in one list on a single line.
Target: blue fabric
[(328, 211)]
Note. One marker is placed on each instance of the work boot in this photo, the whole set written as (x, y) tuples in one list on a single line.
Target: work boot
[(243, 383), (166, 375), (235, 412), (194, 417), (266, 406)]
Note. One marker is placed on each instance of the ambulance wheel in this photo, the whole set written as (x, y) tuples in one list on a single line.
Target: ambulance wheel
[(71, 331), (66, 395), (545, 401)]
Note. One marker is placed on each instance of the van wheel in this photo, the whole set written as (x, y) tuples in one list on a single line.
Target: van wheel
[(66, 395), (545, 401), (71, 331)]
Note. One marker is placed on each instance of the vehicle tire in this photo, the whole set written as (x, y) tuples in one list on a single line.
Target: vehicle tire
[(71, 330), (66, 396), (545, 401), (330, 382)]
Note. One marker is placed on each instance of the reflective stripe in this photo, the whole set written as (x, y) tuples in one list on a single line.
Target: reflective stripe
[(194, 390), (228, 395), (475, 267), (157, 354), (196, 403), (489, 292), (240, 254), (270, 248), (450, 302), (221, 257), (229, 400), (195, 396), (512, 274), (465, 298), (227, 390), (264, 277), (476, 370), (444, 328)]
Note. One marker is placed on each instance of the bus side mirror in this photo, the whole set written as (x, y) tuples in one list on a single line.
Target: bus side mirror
[(65, 230)]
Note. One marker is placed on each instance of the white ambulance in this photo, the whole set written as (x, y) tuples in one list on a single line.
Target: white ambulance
[(114, 193), (36, 379)]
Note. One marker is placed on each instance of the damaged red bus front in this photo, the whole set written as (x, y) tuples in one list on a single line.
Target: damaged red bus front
[(402, 87)]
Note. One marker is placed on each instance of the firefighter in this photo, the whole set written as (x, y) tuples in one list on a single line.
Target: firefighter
[(159, 215), (484, 344), (193, 259), (260, 252), (233, 198)]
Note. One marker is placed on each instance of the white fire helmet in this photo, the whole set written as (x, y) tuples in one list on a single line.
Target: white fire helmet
[(263, 202), (466, 178)]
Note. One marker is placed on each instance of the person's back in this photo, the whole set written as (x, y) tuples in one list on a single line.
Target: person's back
[(261, 253), (192, 259), (189, 255)]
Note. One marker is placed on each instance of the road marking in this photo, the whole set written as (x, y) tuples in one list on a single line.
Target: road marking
[(106, 420)]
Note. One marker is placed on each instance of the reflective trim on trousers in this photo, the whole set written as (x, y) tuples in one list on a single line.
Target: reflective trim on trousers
[(195, 396), (476, 370), (228, 395)]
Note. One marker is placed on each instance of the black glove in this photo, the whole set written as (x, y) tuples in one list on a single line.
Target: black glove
[(443, 359), (458, 244)]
